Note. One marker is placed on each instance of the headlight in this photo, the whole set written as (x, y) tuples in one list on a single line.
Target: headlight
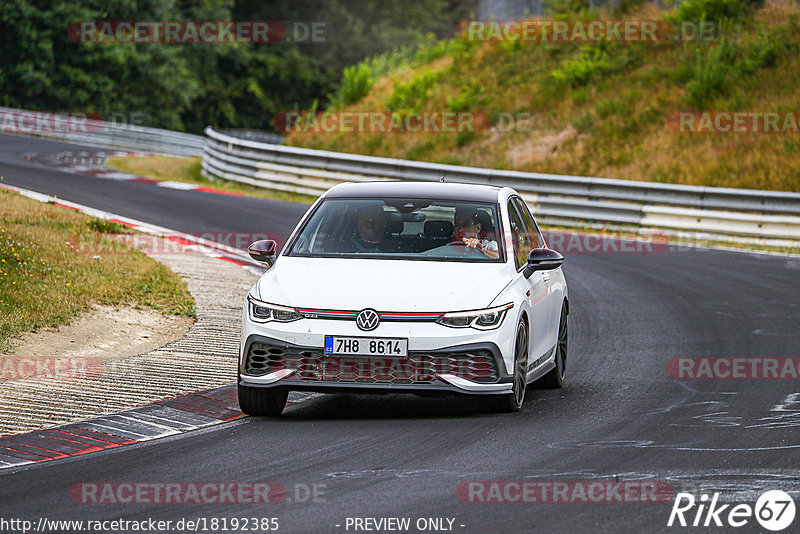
[(487, 319), (263, 312)]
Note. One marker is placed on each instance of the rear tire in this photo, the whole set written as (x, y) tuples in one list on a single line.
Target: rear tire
[(259, 401), (555, 378), (512, 402)]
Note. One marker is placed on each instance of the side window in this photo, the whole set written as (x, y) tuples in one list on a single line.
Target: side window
[(519, 238), (530, 226)]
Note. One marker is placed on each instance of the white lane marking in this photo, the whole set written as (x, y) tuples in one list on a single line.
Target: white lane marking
[(792, 399), (177, 185), (110, 429), (169, 423), (115, 176), (131, 417), (787, 414)]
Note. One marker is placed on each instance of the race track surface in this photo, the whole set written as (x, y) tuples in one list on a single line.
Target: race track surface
[(620, 415)]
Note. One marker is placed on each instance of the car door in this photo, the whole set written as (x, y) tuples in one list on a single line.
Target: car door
[(549, 278), (534, 287)]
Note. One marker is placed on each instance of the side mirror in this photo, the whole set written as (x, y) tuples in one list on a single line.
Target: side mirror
[(542, 259), (265, 251)]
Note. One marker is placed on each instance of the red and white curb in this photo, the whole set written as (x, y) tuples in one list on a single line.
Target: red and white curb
[(160, 419), (93, 164)]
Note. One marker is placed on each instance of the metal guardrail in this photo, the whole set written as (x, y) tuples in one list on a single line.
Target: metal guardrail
[(566, 199), (77, 129), (258, 136)]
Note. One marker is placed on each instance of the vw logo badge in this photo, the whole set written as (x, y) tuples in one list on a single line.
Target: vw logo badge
[(368, 320)]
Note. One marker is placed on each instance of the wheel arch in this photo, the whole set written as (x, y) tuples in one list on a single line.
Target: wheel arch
[(525, 319)]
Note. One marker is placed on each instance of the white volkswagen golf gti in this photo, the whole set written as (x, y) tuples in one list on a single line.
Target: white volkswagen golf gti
[(406, 287)]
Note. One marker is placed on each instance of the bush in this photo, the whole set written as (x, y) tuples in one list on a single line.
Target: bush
[(357, 80), (591, 62), (764, 52), (713, 69), (412, 95), (431, 49), (466, 100), (713, 10), (389, 62)]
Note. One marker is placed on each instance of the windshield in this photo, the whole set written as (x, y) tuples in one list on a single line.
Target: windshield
[(402, 229)]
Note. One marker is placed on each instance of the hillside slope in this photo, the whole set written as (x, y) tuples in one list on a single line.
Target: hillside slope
[(605, 108)]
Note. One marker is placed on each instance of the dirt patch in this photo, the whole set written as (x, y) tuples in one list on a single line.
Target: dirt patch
[(106, 333), (540, 148)]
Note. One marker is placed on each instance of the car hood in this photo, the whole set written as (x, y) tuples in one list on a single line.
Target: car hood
[(385, 285)]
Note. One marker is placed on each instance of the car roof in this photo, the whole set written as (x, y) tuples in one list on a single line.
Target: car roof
[(427, 190)]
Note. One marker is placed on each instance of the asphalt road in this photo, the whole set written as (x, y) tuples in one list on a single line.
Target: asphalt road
[(619, 417), (191, 212)]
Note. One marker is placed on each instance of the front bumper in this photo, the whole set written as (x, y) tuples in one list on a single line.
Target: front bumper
[(475, 368)]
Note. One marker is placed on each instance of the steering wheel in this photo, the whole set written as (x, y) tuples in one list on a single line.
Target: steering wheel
[(462, 248)]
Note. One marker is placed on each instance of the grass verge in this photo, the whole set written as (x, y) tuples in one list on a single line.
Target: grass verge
[(187, 170), (48, 276)]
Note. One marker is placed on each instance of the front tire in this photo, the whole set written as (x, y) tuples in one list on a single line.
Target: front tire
[(555, 378), (259, 401), (513, 401)]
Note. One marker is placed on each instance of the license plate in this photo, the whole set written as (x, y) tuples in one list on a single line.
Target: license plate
[(366, 346)]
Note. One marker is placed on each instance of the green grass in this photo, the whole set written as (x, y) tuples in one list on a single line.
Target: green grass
[(51, 270), (187, 170)]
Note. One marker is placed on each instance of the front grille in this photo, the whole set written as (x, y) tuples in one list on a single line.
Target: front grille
[(418, 368)]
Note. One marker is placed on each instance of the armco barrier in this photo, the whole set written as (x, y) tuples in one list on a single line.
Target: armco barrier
[(100, 133), (572, 200)]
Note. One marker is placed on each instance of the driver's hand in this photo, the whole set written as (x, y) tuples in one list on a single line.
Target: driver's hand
[(472, 242)]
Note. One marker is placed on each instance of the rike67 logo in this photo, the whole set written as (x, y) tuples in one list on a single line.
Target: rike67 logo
[(774, 510)]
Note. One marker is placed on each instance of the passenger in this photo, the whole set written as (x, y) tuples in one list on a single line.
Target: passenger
[(371, 232), (468, 231)]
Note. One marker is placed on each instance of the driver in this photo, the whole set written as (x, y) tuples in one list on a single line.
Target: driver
[(371, 233), (468, 231)]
